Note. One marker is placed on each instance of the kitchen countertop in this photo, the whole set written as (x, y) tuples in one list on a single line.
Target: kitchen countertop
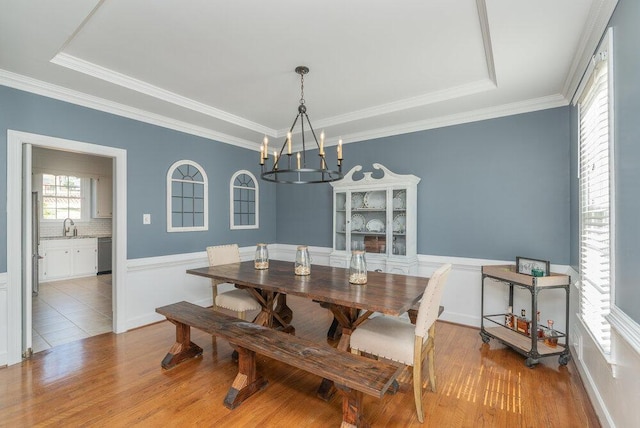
[(48, 238)]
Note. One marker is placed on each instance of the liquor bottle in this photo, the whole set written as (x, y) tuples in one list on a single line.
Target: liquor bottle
[(508, 317), (551, 337), (540, 328), (522, 323)]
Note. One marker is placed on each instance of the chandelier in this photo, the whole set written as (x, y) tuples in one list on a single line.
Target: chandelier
[(296, 168)]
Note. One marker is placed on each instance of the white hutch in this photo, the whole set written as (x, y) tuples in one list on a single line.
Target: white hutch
[(377, 215)]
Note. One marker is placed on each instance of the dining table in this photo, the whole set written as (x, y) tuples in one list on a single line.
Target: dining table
[(351, 304)]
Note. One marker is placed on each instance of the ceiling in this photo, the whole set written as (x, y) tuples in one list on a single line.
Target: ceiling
[(225, 70)]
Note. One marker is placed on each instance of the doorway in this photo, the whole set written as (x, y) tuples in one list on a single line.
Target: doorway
[(73, 190), (19, 278)]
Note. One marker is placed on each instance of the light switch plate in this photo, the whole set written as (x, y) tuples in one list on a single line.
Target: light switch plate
[(146, 218)]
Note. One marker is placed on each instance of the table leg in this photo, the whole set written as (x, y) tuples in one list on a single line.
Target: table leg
[(335, 330), (352, 415), (348, 318), (275, 313), (183, 349), (247, 381)]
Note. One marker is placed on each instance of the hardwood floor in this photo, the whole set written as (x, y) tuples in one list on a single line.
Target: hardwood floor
[(116, 381)]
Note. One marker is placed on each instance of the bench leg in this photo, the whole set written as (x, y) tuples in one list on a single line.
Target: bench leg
[(247, 381), (351, 408), (183, 349)]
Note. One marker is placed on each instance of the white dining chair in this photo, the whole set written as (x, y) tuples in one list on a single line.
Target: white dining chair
[(236, 300), (396, 339)]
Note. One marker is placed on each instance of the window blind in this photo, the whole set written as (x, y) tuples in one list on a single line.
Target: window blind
[(595, 212)]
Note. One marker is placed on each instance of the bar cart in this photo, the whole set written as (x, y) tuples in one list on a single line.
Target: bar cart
[(536, 343)]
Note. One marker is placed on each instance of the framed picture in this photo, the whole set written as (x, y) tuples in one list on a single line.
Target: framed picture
[(526, 266)]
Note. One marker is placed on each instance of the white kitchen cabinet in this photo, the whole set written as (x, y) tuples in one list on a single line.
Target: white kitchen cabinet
[(377, 215), (102, 197), (68, 258)]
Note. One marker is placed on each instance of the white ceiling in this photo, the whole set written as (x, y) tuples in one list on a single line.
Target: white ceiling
[(225, 70)]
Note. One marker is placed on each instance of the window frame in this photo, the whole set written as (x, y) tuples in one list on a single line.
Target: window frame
[(205, 183), (85, 191), (256, 189), (601, 336)]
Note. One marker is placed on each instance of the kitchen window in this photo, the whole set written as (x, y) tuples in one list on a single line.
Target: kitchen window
[(243, 203), (187, 197), (62, 197)]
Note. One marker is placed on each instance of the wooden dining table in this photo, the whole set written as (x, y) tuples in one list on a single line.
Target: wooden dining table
[(350, 304)]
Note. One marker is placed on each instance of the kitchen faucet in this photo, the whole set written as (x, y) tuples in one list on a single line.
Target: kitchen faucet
[(65, 229)]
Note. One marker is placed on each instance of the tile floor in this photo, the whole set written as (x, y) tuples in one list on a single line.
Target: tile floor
[(64, 311)]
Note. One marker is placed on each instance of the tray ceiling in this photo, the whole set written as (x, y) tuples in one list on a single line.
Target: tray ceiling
[(225, 69)]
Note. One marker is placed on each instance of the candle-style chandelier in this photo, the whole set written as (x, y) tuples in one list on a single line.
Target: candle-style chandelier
[(294, 168)]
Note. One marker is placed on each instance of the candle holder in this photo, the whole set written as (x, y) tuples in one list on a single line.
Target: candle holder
[(358, 268), (261, 261), (303, 261)]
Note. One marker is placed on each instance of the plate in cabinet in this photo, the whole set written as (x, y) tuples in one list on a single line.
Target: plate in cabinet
[(357, 222), (375, 200)]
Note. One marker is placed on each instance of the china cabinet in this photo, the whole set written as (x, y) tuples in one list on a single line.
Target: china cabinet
[(525, 335), (378, 216)]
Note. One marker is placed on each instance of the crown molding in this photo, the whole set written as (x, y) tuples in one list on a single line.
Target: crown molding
[(408, 103), (39, 87), (597, 21), (28, 84), (486, 39), (511, 109), (74, 63)]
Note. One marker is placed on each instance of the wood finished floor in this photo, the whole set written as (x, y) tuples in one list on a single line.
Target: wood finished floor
[(116, 381)]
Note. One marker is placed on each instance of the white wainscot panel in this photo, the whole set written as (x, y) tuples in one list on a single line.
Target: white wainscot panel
[(4, 320), (159, 281)]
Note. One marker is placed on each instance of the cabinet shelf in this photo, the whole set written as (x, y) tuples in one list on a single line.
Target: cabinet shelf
[(531, 346)]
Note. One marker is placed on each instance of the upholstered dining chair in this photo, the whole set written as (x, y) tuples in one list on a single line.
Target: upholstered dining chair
[(236, 300), (396, 339)]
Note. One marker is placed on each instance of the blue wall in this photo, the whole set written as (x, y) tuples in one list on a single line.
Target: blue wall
[(151, 150), (494, 189)]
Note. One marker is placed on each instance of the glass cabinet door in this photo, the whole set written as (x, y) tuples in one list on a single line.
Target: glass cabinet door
[(369, 221), (399, 222), (340, 236)]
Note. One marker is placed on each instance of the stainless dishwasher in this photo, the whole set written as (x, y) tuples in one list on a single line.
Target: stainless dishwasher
[(104, 255)]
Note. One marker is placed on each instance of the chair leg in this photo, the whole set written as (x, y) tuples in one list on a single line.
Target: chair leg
[(431, 355), (214, 290), (417, 377)]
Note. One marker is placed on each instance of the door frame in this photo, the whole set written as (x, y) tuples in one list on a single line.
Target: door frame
[(15, 141)]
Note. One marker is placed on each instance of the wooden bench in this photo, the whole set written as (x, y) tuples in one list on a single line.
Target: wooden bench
[(353, 375)]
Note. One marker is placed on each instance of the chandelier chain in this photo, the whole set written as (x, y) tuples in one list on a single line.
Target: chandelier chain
[(301, 88)]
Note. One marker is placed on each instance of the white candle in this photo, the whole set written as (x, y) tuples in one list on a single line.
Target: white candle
[(261, 155), (289, 141), (298, 156), (322, 143), (275, 159), (266, 149), (340, 149)]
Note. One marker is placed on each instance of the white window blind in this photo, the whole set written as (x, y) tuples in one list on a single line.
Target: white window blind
[(595, 203)]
